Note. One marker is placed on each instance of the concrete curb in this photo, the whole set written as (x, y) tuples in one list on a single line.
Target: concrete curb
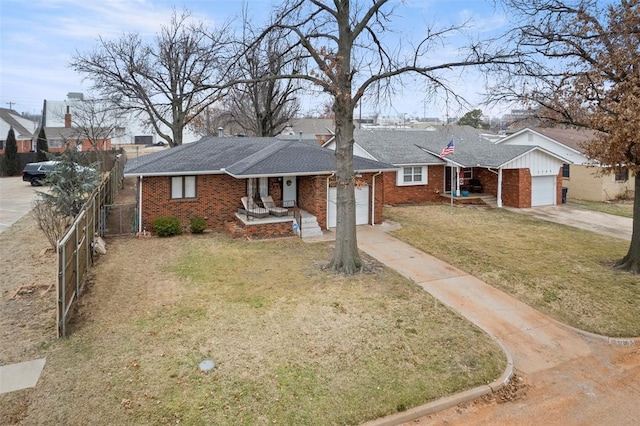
[(450, 401), (619, 341)]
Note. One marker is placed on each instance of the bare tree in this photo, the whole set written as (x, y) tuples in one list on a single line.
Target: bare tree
[(264, 106), (50, 222), (346, 55), (258, 105), (169, 81), (580, 68), (97, 121)]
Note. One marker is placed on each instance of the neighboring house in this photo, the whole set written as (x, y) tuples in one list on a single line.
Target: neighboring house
[(320, 129), (22, 127), (59, 137), (581, 176), (518, 176), (208, 179), (131, 127)]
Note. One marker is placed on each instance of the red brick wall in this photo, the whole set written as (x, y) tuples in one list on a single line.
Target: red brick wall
[(23, 145), (414, 194), (379, 197), (516, 188), (488, 180), (269, 230), (217, 199), (312, 197)]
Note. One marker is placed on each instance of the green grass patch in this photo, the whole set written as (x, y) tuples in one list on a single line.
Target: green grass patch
[(618, 208), (562, 271)]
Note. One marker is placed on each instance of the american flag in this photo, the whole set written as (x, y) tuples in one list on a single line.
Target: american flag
[(447, 150)]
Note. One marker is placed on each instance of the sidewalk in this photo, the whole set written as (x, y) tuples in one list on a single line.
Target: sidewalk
[(535, 341), (539, 346)]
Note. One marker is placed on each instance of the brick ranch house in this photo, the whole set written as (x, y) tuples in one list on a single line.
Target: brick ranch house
[(583, 178), (23, 129), (515, 176), (208, 179)]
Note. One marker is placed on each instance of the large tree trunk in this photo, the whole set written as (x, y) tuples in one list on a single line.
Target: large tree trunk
[(346, 258), (631, 262)]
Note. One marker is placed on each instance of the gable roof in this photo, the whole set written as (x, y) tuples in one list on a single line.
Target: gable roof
[(573, 138), (310, 126), (244, 157), (22, 127), (417, 146), (472, 148)]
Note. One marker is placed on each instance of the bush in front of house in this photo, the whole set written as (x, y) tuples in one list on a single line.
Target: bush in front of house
[(167, 226), (198, 225)]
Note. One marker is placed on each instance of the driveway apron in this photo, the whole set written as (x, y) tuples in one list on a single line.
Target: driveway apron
[(575, 364), (598, 222)]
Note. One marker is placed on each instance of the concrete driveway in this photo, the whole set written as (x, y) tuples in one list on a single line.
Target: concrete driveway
[(601, 223), (572, 377), (16, 200)]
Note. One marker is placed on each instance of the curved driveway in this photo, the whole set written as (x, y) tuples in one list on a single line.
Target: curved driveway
[(573, 378)]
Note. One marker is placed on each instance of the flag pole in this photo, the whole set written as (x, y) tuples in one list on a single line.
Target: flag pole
[(451, 205)]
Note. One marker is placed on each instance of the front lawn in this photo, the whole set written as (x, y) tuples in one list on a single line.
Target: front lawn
[(562, 271), (292, 343)]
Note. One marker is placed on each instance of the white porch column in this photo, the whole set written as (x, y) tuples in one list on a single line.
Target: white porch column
[(499, 196), (458, 181)]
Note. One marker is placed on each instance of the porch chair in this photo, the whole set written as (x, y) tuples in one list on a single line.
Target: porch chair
[(268, 202), (252, 209), (475, 186)]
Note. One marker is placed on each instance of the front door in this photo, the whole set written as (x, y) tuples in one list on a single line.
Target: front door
[(447, 179), (289, 191)]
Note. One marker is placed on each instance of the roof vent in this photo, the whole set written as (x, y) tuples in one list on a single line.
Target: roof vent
[(220, 132)]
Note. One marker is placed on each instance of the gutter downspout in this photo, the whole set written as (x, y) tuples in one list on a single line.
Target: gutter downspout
[(140, 208), (327, 210), (499, 187), (373, 199)]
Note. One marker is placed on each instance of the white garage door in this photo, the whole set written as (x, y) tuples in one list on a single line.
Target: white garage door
[(543, 191), (362, 206)]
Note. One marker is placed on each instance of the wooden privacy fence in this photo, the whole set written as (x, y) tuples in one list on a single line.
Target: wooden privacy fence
[(75, 248)]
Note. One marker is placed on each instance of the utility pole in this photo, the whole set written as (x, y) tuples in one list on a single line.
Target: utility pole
[(11, 104)]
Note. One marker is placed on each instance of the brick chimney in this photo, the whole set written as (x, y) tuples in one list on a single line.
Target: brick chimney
[(67, 119)]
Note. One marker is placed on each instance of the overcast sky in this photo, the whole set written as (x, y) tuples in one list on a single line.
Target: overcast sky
[(38, 38)]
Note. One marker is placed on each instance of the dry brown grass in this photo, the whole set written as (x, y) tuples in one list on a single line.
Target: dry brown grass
[(622, 208), (562, 271), (292, 343)]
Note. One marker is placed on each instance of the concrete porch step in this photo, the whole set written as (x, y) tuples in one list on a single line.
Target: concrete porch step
[(309, 226), (490, 200)]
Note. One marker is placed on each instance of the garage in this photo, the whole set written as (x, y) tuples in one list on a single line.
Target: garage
[(543, 190), (362, 206)]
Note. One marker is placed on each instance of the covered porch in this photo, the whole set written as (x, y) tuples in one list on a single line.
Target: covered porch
[(297, 222), (481, 198)]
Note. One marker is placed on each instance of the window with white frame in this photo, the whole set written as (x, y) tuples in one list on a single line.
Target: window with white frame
[(183, 187), (412, 175)]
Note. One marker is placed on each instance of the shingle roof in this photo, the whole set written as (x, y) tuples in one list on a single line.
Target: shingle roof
[(244, 157), (573, 138), (412, 146), (21, 126)]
